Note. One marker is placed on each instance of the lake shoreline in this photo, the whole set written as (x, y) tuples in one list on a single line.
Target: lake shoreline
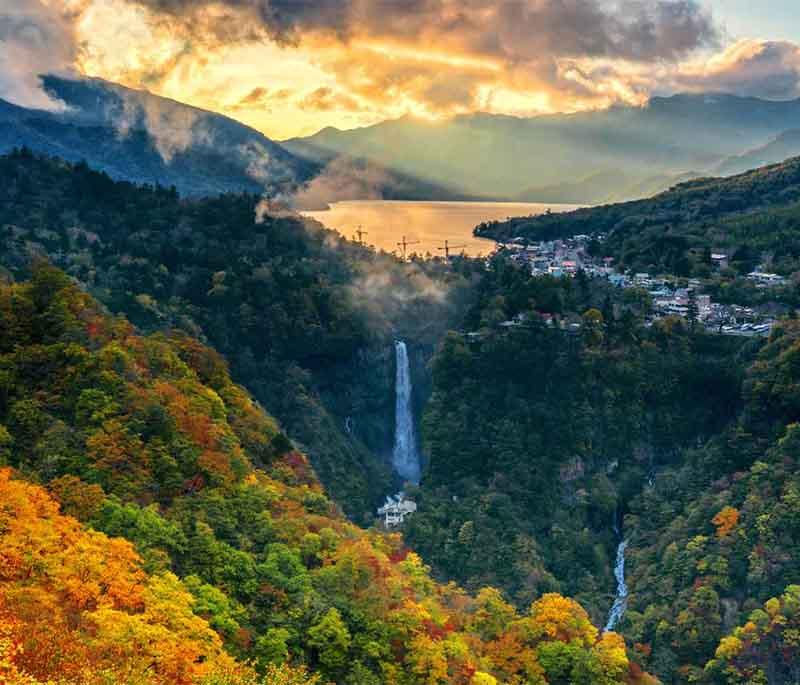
[(428, 227)]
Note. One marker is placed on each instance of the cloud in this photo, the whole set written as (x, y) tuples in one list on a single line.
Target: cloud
[(513, 30), (261, 98), (443, 56), (327, 99), (36, 37), (366, 60), (768, 69), (173, 127), (342, 179)]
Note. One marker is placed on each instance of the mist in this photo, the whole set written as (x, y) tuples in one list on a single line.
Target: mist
[(35, 39)]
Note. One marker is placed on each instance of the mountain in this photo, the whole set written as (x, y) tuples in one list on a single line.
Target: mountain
[(550, 448), (136, 136), (506, 156), (585, 158), (602, 187), (140, 137), (786, 145), (747, 216), (195, 546), (305, 318)]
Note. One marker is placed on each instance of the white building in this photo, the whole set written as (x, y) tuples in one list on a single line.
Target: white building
[(396, 509), (765, 280)]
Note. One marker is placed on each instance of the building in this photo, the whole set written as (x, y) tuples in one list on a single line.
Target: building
[(765, 280), (396, 509), (619, 280), (719, 260)]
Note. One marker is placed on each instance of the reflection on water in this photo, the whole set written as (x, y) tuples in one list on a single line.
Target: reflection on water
[(427, 224)]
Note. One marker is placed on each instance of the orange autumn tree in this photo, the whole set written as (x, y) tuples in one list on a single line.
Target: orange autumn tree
[(76, 607), (726, 521)]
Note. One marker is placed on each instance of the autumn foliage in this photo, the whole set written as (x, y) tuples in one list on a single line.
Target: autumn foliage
[(726, 521), (229, 573), (76, 604)]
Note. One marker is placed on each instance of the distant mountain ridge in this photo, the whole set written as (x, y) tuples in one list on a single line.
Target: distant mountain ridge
[(618, 154), (562, 155), (786, 145), (140, 137), (602, 187)]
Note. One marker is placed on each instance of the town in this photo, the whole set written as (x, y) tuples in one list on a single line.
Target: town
[(669, 295)]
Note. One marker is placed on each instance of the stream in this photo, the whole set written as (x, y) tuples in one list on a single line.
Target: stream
[(621, 600)]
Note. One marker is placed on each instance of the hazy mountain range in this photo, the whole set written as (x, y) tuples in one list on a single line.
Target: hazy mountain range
[(619, 153), (591, 157)]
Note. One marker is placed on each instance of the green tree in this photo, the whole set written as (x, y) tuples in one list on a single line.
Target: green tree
[(330, 639), (693, 311), (593, 323)]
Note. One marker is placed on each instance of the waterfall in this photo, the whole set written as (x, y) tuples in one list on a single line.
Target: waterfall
[(621, 600), (405, 456)]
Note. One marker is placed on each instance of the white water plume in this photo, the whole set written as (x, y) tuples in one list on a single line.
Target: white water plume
[(405, 456), (621, 600)]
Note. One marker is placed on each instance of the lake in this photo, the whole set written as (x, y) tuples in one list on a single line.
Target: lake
[(427, 224)]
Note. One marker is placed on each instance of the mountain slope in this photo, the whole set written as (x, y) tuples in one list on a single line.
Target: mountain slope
[(715, 543), (745, 215), (504, 156), (147, 437), (786, 145), (80, 607), (603, 187), (537, 435), (305, 318), (136, 136), (549, 447)]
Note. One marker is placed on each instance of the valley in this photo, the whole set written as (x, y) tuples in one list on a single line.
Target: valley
[(448, 342), (526, 450)]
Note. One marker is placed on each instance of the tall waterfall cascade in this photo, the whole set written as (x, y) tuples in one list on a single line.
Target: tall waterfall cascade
[(405, 456), (621, 600)]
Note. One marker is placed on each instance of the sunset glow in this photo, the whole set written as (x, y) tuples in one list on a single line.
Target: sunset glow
[(290, 69)]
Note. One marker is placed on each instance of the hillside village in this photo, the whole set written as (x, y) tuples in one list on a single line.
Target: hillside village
[(669, 295)]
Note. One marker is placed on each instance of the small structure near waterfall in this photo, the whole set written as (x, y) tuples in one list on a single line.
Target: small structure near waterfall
[(396, 509)]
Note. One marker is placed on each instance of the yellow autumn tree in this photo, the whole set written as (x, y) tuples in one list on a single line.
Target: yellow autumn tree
[(554, 617), (76, 607)]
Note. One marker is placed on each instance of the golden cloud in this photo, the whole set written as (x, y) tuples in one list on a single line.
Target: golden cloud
[(354, 62)]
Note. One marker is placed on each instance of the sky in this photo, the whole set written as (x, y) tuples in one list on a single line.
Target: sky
[(292, 67), (770, 19)]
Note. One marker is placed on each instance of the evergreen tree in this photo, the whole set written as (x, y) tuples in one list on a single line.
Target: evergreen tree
[(692, 310)]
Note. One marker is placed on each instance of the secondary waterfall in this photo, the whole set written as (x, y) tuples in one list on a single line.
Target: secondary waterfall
[(621, 600), (405, 456)]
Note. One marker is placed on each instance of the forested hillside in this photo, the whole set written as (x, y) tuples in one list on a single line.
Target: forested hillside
[(232, 549), (538, 435), (716, 542), (550, 444), (676, 231), (559, 424), (304, 317)]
